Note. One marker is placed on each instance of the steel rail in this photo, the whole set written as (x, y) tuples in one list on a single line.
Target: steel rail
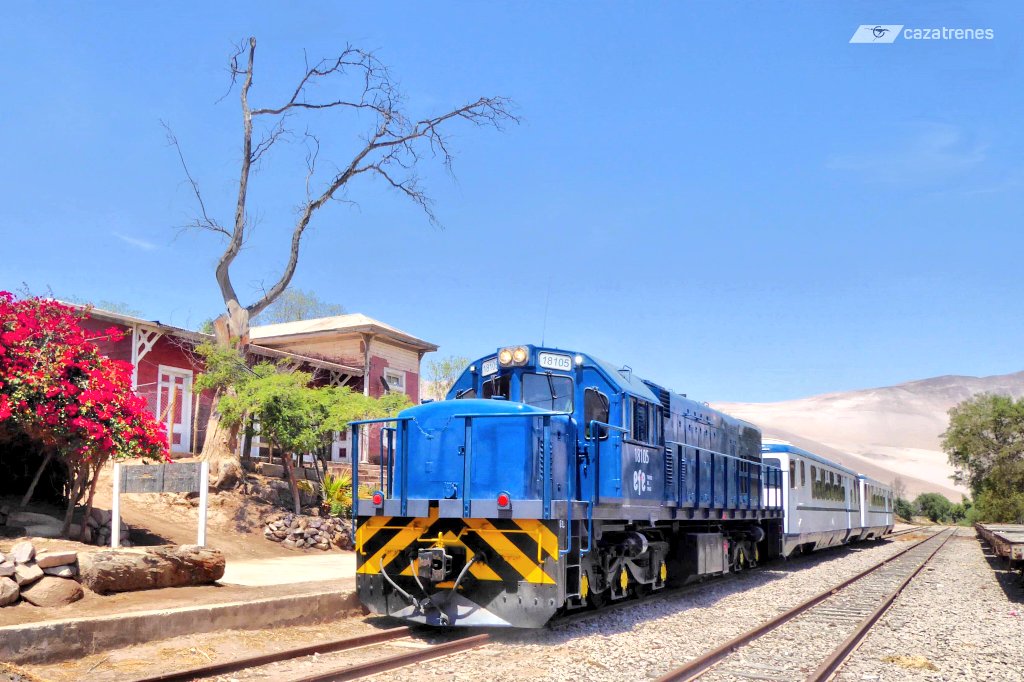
[(697, 666), (843, 651), (354, 672), (287, 654), (903, 531)]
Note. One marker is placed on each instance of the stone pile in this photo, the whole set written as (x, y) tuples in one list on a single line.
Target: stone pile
[(98, 529), (297, 531), (44, 579)]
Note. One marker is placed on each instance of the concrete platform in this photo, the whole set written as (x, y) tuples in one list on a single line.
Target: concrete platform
[(300, 568), (220, 608)]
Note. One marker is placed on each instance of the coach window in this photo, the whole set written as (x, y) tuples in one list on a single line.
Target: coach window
[(814, 482), (792, 473), (548, 391), (466, 394), (803, 479), (595, 406)]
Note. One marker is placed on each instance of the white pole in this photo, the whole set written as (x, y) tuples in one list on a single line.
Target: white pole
[(204, 485), (115, 513)]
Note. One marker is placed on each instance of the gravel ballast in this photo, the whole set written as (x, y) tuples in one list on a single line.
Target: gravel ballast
[(652, 637), (958, 620)]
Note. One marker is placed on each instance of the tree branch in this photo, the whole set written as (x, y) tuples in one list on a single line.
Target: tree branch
[(206, 222)]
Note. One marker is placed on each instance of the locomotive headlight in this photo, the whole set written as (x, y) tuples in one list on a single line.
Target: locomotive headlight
[(519, 355), (505, 356)]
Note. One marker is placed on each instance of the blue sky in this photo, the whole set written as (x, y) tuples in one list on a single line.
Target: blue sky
[(730, 198)]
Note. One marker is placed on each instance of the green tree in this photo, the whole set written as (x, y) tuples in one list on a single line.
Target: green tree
[(933, 505), (441, 374), (293, 417), (985, 445), (294, 305), (903, 508)]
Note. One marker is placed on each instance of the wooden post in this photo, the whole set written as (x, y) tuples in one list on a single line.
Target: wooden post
[(204, 486)]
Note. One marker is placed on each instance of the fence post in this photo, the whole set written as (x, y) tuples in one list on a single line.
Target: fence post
[(115, 512)]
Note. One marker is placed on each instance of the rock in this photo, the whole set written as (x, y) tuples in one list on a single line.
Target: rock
[(26, 574), (2, 558), (116, 571), (9, 591), (50, 591), (87, 535), (23, 552), (61, 571), (289, 543), (6, 569), (51, 559), (102, 516)]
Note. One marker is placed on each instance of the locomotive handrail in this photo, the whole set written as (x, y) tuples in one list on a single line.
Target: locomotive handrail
[(355, 463), (595, 436)]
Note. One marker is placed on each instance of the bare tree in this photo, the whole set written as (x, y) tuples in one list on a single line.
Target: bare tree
[(391, 150), (899, 488)]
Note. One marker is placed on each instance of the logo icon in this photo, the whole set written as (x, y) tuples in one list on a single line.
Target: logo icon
[(877, 33)]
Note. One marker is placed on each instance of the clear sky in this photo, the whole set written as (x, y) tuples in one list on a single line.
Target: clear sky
[(729, 197)]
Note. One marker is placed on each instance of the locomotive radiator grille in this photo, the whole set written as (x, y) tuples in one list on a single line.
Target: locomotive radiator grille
[(514, 550)]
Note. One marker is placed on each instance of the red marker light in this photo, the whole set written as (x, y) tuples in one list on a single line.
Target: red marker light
[(378, 498), (504, 501)]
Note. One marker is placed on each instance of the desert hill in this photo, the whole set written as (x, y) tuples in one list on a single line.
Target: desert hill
[(881, 432)]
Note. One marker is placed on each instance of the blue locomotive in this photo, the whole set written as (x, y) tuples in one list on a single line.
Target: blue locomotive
[(549, 481)]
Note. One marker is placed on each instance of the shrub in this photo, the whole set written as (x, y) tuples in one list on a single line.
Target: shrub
[(337, 493)]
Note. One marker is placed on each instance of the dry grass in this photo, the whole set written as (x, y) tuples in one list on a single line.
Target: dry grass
[(911, 662)]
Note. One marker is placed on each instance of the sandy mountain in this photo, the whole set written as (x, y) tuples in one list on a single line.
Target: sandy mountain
[(881, 432)]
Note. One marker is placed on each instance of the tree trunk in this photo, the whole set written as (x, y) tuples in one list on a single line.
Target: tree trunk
[(119, 571), (220, 449), (78, 478), (35, 479), (286, 458), (88, 503)]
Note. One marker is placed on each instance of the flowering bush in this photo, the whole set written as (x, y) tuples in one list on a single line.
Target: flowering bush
[(58, 388), (56, 385)]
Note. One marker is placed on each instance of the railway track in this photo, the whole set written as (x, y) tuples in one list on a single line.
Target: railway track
[(904, 531), (349, 672), (843, 615), (425, 651)]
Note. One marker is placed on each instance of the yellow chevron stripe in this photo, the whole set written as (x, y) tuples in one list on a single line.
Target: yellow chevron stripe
[(547, 539), (368, 528), (394, 546), (530, 570)]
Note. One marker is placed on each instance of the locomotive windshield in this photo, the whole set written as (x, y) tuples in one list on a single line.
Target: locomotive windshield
[(548, 392)]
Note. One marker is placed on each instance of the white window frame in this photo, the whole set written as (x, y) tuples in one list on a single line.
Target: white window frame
[(397, 374)]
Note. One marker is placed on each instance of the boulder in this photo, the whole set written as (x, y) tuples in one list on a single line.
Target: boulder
[(117, 571), (23, 552), (26, 574), (51, 559), (102, 516), (50, 591), (61, 571), (6, 569), (9, 591)]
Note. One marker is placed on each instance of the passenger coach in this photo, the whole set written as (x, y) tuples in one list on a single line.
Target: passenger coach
[(826, 503)]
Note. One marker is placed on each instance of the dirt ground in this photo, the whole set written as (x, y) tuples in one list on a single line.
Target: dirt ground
[(234, 520), (234, 526)]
